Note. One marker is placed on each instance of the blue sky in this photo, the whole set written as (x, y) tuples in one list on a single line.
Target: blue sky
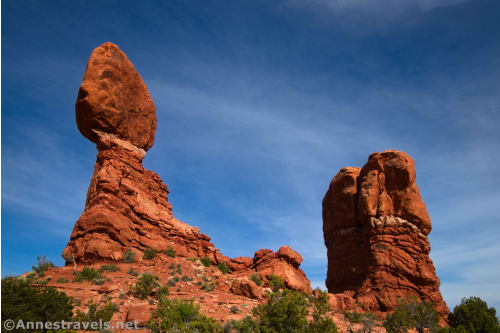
[(259, 104)]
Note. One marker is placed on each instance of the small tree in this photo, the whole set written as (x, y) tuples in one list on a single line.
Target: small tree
[(145, 285), (411, 313), (285, 311), (474, 315), (321, 323), (174, 315), (23, 301), (43, 264)]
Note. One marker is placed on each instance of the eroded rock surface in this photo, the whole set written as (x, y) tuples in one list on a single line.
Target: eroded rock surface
[(127, 206), (114, 99), (375, 227)]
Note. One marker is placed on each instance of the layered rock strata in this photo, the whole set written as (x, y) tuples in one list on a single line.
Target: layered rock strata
[(375, 227)]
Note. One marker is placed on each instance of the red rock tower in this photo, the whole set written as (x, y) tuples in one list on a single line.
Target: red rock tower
[(375, 226), (127, 206)]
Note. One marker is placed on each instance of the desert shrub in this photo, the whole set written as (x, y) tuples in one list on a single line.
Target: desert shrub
[(284, 311), (410, 313), (180, 316), (99, 281), (287, 311), (368, 319), (321, 322), (110, 268), (193, 259), (186, 278), (172, 266), (133, 272), (473, 315), (23, 301), (223, 267), (255, 278), (163, 291), (208, 286), (171, 283), (62, 280), (94, 313), (129, 256), (149, 253), (43, 264), (206, 261), (170, 252), (145, 285), (353, 317), (275, 282), (88, 274), (234, 309)]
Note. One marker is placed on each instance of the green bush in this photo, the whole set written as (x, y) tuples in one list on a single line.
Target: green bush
[(129, 256), (255, 278), (89, 274), (410, 313), (149, 253), (275, 282), (61, 280), (110, 268), (186, 278), (170, 252), (94, 314), (23, 301), (208, 286), (234, 309), (145, 285), (43, 264), (163, 291), (284, 311), (473, 315), (206, 261), (223, 267), (321, 322), (180, 316), (133, 272), (172, 266)]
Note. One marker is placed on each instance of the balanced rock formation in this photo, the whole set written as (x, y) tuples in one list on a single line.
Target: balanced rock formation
[(127, 206), (114, 99), (375, 227)]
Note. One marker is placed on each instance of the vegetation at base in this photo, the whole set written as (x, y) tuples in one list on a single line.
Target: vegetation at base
[(174, 315), (163, 291), (23, 301), (94, 313), (255, 278), (133, 272), (149, 253), (206, 261), (170, 252), (208, 286), (145, 285), (43, 264), (61, 280), (129, 256), (88, 274), (223, 267), (234, 309), (275, 282), (287, 311), (110, 268), (186, 278), (368, 320), (473, 315), (411, 313)]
